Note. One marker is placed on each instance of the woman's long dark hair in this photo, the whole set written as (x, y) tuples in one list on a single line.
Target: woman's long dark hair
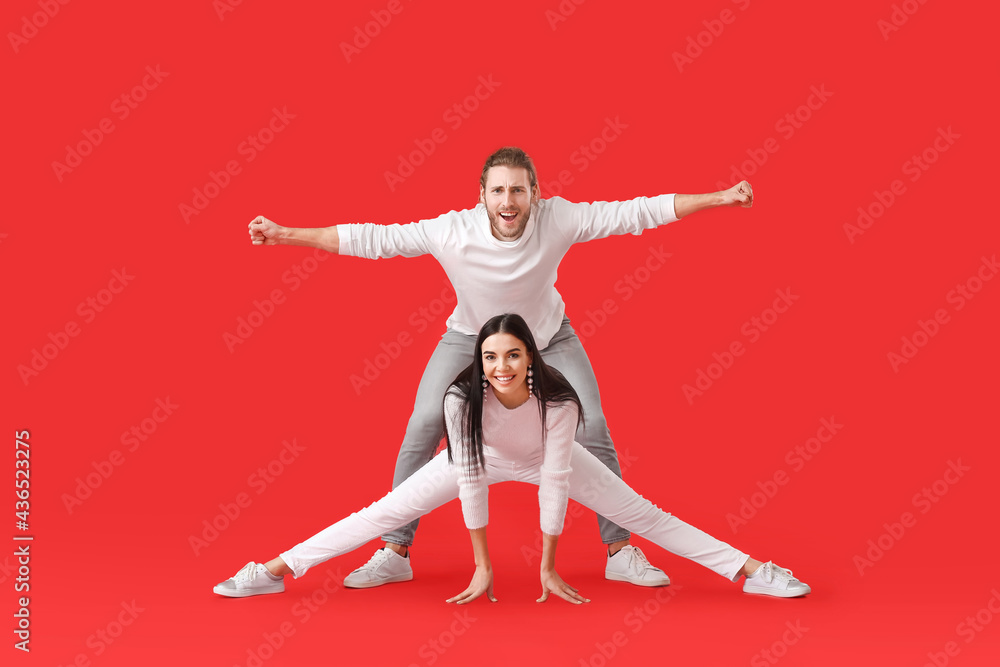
[(549, 387)]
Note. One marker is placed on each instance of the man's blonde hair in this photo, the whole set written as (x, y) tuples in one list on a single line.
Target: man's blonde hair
[(509, 156)]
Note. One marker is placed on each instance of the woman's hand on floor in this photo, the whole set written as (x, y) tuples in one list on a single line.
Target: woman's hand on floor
[(482, 582), (553, 583)]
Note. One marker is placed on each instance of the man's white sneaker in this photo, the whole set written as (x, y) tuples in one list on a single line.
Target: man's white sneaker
[(630, 564), (253, 579), (769, 579), (385, 567)]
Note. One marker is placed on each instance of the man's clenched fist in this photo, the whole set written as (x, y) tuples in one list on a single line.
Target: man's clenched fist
[(740, 194), (263, 231)]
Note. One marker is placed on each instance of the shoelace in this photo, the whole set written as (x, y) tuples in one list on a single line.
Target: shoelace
[(380, 557), (640, 557), (247, 573), (772, 572)]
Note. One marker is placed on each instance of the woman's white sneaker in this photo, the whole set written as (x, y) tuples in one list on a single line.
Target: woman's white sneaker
[(385, 567), (769, 579), (252, 579)]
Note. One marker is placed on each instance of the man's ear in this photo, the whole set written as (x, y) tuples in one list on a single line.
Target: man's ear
[(482, 194), (535, 194)]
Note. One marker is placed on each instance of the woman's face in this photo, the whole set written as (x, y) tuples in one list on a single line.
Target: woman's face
[(505, 364)]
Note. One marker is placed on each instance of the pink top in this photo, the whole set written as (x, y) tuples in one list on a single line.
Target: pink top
[(516, 435)]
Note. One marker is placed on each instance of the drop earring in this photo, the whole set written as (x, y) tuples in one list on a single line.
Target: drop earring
[(485, 385), (531, 387)]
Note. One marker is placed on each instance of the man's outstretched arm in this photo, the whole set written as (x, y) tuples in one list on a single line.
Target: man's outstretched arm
[(266, 232), (740, 194)]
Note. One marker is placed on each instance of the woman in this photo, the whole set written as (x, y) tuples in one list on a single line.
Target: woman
[(519, 425)]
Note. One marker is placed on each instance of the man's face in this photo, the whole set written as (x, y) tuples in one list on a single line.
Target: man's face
[(508, 196)]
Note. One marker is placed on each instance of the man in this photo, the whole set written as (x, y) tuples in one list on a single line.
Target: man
[(502, 257)]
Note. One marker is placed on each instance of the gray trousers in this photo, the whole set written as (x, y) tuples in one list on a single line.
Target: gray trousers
[(426, 427)]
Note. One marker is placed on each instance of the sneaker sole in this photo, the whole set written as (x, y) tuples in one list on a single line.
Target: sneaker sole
[(773, 592), (397, 579), (244, 593), (612, 576)]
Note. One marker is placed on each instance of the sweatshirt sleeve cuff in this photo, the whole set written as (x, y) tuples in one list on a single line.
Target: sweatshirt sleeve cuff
[(476, 518), (667, 211), (344, 235)]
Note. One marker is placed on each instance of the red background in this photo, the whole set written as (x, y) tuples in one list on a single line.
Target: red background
[(556, 84)]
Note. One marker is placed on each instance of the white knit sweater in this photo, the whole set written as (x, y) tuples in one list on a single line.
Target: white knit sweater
[(516, 435), (492, 277)]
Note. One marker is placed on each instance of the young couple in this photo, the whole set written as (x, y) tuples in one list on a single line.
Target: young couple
[(503, 256)]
